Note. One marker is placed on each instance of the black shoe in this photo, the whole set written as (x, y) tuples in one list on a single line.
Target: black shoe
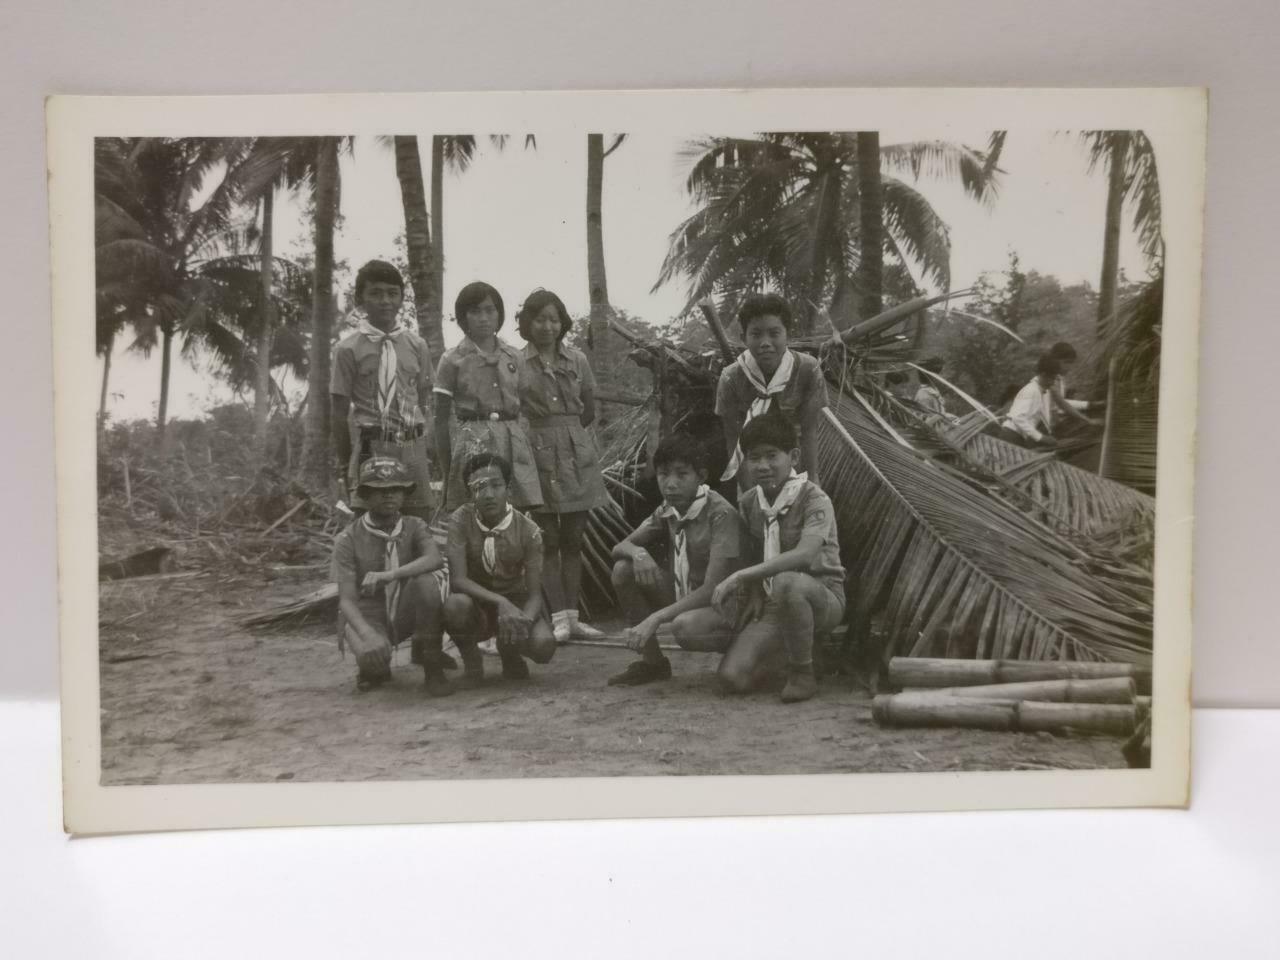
[(514, 667), (435, 682), (642, 671)]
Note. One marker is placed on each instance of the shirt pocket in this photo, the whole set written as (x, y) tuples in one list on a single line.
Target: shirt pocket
[(367, 365)]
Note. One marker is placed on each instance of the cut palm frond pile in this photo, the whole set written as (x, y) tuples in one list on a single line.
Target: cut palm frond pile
[(935, 553)]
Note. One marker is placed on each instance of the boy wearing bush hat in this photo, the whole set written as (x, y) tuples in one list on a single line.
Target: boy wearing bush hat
[(383, 565)]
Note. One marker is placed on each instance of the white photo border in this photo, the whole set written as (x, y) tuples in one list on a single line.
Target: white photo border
[(1173, 118)]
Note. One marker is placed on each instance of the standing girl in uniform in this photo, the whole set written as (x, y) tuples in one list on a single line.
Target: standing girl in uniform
[(557, 395), (477, 402)]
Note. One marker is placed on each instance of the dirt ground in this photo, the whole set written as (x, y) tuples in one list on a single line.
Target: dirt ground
[(188, 696)]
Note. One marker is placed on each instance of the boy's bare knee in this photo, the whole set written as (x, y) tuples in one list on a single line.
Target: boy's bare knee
[(426, 590), (541, 649), (457, 611), (624, 574), (733, 680), (789, 584)]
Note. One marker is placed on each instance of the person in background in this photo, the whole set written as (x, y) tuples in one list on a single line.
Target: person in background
[(382, 373), (1065, 355), (899, 384), (927, 396), (1030, 418), (701, 531), (557, 396), (477, 381), (495, 576), (792, 590), (769, 375), (383, 564)]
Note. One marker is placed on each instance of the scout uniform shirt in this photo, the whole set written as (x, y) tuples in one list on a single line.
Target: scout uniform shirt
[(516, 547), (551, 396), (356, 552), (812, 512), (799, 401), (715, 532), (480, 384), (355, 375)]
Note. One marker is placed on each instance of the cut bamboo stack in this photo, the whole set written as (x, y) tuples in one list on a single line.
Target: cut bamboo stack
[(1014, 695)]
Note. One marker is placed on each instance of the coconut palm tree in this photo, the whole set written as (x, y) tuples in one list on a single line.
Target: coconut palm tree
[(422, 255), (1130, 163), (452, 152), (316, 457), (155, 216), (785, 209), (272, 164), (597, 279)]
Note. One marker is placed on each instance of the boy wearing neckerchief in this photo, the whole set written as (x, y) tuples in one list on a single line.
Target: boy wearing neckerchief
[(382, 564), (770, 376), (382, 373), (793, 588), (495, 576), (701, 532)]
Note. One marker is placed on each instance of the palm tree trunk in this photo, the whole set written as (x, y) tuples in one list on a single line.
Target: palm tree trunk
[(106, 375), (1117, 155), (266, 330), (166, 353), (417, 232), (437, 229), (870, 273), (597, 283), (315, 457)]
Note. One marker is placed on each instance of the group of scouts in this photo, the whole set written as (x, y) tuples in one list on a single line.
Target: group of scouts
[(757, 582)]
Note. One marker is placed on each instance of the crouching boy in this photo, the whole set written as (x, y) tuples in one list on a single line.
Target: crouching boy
[(382, 564), (701, 531), (793, 588), (495, 576)]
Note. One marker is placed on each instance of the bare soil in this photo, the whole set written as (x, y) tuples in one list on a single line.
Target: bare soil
[(188, 696)]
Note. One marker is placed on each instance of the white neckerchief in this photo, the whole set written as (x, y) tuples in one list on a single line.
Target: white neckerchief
[(391, 554), (773, 514), (490, 552), (680, 565), (388, 364), (765, 392)]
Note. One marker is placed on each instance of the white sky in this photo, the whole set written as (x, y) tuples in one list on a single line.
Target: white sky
[(517, 220)]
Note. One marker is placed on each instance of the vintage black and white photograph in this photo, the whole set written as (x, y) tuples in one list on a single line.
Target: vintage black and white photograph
[(705, 447)]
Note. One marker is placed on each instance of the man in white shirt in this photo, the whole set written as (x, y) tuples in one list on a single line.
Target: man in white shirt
[(1030, 419), (1065, 354)]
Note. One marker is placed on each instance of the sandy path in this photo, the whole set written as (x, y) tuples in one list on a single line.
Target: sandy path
[(189, 697)]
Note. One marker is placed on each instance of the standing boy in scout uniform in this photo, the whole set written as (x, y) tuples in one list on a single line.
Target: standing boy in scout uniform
[(701, 532), (382, 564), (769, 376), (495, 576), (383, 371), (793, 588)]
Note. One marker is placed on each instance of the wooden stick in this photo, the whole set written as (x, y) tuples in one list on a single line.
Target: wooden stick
[(1104, 690), (611, 643), (937, 672), (932, 710), (287, 514)]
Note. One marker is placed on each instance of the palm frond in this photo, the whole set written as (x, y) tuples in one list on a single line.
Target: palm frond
[(921, 235), (934, 553), (942, 160)]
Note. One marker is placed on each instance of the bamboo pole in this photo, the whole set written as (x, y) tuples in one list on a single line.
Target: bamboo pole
[(1101, 690), (937, 672), (932, 710)]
